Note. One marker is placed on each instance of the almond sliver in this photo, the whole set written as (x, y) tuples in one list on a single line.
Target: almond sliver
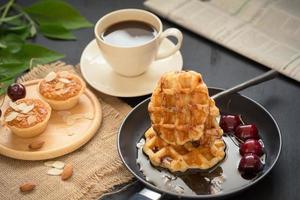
[(49, 163), (50, 77), (64, 80), (31, 119), (58, 165), (64, 74), (59, 85), (21, 106), (14, 106), (66, 90), (54, 172), (11, 116), (27, 108)]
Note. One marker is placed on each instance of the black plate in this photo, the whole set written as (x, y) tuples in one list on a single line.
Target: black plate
[(138, 121)]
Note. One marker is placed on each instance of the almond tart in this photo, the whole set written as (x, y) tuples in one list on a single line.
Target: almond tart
[(61, 90), (27, 117)]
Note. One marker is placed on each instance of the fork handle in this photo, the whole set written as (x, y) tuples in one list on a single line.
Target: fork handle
[(254, 81)]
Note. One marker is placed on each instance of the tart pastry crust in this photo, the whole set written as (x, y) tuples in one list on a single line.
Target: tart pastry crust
[(27, 117), (61, 90)]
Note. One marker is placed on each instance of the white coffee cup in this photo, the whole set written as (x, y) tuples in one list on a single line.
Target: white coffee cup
[(133, 61)]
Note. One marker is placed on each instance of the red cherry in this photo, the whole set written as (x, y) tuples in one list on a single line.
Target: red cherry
[(249, 166), (245, 132), (251, 146), (16, 91), (229, 122)]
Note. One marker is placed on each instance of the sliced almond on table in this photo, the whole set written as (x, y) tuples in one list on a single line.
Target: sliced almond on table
[(49, 163), (11, 116), (64, 80), (31, 119), (54, 172), (67, 172), (58, 165), (36, 145), (50, 77), (27, 187)]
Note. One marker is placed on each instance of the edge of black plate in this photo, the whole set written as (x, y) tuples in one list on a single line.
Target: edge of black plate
[(219, 195)]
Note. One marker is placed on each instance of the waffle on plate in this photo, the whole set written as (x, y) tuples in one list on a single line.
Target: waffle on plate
[(182, 157), (179, 107), (185, 133)]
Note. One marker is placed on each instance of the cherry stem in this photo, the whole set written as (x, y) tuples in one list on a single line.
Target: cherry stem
[(240, 116)]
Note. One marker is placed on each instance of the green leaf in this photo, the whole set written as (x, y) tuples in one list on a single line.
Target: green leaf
[(5, 83), (57, 12), (30, 23), (12, 64), (8, 57), (56, 31), (22, 30), (38, 53), (13, 43), (2, 45), (30, 53), (11, 70)]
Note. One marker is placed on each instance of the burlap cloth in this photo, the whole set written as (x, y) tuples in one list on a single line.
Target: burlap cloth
[(97, 166)]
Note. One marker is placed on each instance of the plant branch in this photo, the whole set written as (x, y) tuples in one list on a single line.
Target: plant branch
[(28, 18), (3, 6), (6, 19), (7, 7)]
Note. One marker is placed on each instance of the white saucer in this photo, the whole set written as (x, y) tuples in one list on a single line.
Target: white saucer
[(100, 75)]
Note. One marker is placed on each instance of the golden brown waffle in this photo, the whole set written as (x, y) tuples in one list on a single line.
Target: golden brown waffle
[(179, 107), (182, 157), (212, 130)]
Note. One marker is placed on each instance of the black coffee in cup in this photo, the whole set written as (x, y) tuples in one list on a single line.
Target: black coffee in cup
[(129, 33)]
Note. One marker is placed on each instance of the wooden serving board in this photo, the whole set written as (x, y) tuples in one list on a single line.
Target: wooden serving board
[(60, 137)]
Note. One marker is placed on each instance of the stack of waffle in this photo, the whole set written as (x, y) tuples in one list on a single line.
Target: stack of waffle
[(184, 133)]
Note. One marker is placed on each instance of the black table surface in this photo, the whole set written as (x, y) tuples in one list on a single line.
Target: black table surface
[(222, 68)]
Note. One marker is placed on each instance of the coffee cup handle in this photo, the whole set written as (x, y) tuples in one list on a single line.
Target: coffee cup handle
[(170, 32)]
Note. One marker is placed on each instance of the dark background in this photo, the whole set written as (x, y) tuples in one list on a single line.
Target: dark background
[(220, 68)]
